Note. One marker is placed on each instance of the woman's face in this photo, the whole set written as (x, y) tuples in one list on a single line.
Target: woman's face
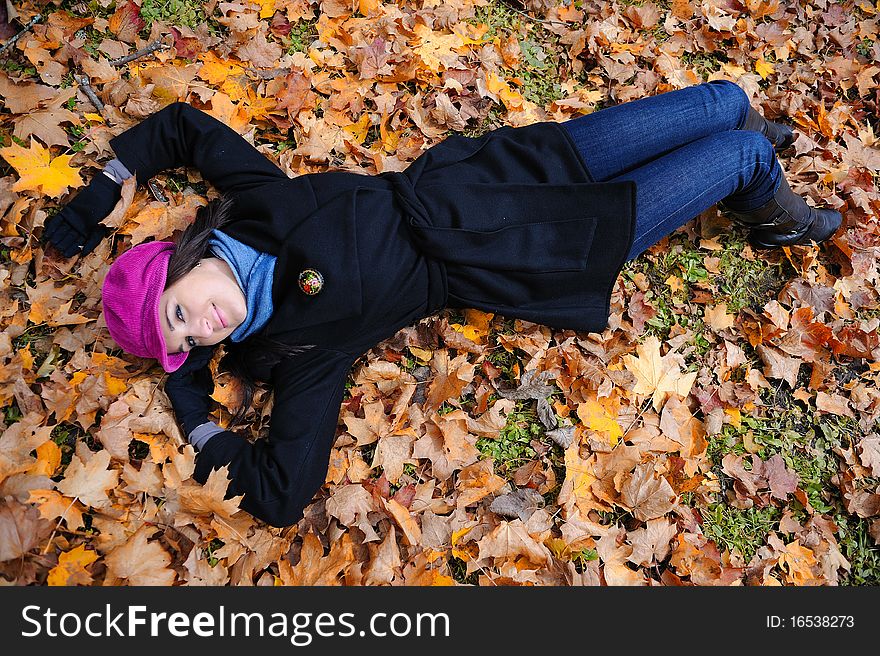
[(202, 308)]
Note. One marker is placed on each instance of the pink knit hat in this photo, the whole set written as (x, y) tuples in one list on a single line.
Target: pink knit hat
[(130, 295)]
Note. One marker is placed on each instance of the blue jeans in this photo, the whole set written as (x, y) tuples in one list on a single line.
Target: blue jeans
[(685, 152)]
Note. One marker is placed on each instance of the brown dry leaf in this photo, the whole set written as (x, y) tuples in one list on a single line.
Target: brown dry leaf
[(614, 558), (645, 495), (392, 453), (140, 562), (21, 529), (90, 482), (210, 498), (797, 562), (476, 482), (651, 543), (869, 453), (53, 505), (412, 532), (450, 378), (201, 572), (384, 564), (313, 567), (511, 539)]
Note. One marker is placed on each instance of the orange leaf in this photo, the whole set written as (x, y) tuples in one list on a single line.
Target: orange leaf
[(48, 459), (71, 567), (37, 169)]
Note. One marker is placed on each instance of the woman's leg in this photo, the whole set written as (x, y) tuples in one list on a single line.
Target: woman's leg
[(618, 139), (737, 166)]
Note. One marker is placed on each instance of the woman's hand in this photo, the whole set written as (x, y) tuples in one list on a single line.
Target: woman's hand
[(189, 389), (76, 229)]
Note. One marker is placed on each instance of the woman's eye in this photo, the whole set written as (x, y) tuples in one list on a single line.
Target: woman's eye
[(179, 313), (191, 342)]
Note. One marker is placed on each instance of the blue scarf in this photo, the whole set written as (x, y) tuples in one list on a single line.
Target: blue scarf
[(253, 270)]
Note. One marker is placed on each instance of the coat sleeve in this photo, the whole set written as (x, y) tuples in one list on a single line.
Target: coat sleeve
[(181, 135), (280, 474)]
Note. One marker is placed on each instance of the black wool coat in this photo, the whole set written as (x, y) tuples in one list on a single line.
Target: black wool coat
[(510, 223)]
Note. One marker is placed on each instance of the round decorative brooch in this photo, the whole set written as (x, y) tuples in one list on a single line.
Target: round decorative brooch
[(311, 281)]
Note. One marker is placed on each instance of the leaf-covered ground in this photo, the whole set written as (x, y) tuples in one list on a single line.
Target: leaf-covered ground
[(721, 431)]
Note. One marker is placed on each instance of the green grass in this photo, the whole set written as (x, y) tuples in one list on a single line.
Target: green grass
[(859, 548), (704, 63), (747, 283), (743, 531), (808, 449), (499, 17), (512, 448), (214, 545), (458, 570)]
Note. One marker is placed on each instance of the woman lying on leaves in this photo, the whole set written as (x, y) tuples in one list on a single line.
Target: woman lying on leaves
[(300, 277)]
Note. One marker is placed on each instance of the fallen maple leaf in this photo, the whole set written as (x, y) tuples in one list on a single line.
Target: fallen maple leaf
[(140, 562), (657, 375), (71, 567), (89, 482), (38, 170), (21, 529), (210, 497)]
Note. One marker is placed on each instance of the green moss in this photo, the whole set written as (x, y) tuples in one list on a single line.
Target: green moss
[(301, 36), (174, 12)]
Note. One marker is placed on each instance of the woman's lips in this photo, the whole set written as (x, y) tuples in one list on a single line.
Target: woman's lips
[(219, 316)]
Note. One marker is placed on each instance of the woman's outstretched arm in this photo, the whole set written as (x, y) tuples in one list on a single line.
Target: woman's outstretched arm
[(181, 135), (279, 475), (178, 135)]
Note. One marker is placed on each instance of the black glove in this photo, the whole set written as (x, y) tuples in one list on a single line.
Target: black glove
[(190, 387), (78, 223)]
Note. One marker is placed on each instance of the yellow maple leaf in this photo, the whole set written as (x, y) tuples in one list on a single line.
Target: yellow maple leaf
[(596, 417), (422, 355), (267, 7), (38, 170), (579, 478), (366, 7), (735, 416), (461, 554), (502, 91), (71, 567), (470, 332), (215, 70), (438, 50), (656, 375), (359, 130), (764, 68)]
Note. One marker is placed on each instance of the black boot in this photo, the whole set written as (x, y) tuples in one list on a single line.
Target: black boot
[(787, 219), (781, 136)]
